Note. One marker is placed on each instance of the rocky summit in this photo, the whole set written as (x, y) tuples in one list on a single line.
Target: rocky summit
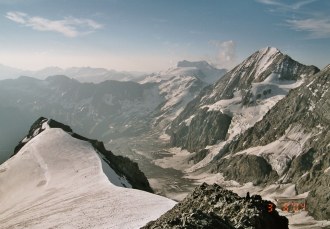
[(211, 206)]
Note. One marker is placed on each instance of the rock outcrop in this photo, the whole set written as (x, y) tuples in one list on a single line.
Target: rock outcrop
[(211, 206)]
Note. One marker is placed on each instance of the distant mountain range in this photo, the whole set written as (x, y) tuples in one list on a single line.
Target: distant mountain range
[(107, 110), (82, 74)]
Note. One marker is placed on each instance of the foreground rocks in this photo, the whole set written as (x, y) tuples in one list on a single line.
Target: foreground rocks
[(211, 206)]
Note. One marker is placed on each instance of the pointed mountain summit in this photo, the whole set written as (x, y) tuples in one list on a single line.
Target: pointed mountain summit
[(60, 179), (265, 65), (238, 99)]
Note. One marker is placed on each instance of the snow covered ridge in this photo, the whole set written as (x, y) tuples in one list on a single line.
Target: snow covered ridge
[(123, 166), (57, 180)]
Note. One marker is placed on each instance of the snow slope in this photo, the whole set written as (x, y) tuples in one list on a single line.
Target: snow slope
[(57, 181), (265, 95), (174, 85), (180, 85)]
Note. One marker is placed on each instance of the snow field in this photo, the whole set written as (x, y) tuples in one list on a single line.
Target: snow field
[(57, 181)]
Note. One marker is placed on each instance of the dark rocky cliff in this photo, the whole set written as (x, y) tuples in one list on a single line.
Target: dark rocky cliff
[(206, 128)]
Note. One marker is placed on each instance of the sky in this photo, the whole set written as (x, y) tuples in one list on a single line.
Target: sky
[(153, 35)]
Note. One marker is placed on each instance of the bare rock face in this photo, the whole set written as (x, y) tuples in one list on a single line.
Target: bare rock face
[(206, 128), (246, 168), (211, 206)]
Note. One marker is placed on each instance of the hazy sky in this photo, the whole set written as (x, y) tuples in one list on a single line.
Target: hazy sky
[(152, 35)]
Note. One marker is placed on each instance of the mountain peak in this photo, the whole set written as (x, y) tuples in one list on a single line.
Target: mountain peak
[(63, 77), (269, 50), (27, 78), (60, 79), (197, 64)]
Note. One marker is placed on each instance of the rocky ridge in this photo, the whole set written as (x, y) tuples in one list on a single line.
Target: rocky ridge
[(211, 206)]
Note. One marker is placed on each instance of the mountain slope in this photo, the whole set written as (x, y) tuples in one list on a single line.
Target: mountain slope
[(293, 141), (57, 180), (104, 111), (238, 100), (179, 86)]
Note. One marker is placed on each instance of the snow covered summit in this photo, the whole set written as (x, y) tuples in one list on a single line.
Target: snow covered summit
[(238, 99), (59, 179)]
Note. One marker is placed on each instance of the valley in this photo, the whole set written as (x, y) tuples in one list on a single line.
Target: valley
[(145, 150)]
